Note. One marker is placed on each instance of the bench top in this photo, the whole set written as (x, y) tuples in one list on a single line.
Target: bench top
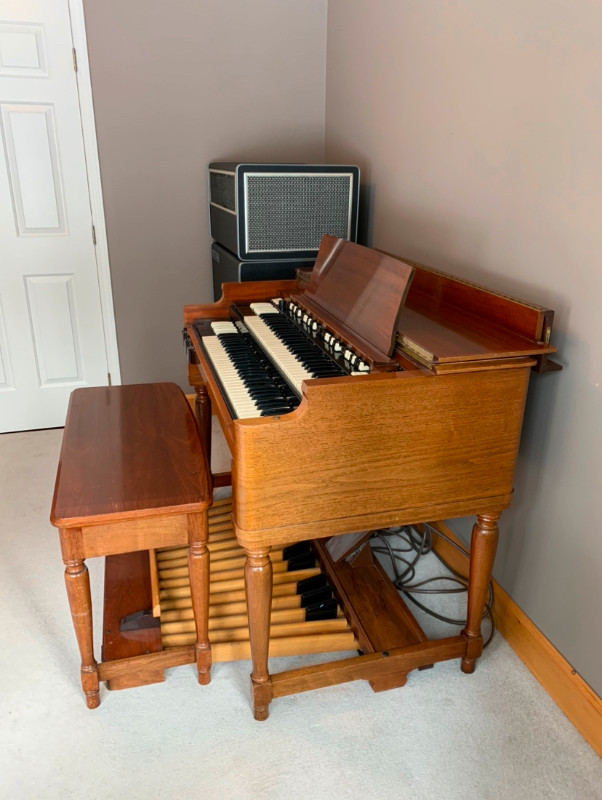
[(129, 451)]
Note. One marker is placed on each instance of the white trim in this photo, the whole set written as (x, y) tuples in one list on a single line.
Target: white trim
[(84, 85)]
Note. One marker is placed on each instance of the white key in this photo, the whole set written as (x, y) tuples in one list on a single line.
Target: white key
[(243, 404), (223, 327), (264, 308)]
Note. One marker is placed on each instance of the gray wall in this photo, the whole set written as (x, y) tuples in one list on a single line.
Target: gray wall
[(477, 126), (175, 86)]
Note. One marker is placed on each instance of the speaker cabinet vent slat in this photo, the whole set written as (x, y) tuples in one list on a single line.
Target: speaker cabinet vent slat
[(222, 187)]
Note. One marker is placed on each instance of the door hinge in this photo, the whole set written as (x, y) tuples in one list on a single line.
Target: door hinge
[(74, 54), (93, 235), (109, 379)]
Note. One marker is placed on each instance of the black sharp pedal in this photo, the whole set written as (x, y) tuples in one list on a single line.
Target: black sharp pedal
[(327, 609), (313, 596), (315, 582), (302, 561), (296, 549)]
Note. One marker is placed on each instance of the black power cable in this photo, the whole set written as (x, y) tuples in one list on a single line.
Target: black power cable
[(397, 543)]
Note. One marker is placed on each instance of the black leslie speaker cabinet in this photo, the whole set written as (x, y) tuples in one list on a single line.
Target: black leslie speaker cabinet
[(281, 211)]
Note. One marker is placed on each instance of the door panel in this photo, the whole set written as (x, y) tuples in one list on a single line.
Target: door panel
[(22, 49), (52, 319), (33, 168)]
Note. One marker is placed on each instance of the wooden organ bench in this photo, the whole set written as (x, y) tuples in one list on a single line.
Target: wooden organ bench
[(132, 476)]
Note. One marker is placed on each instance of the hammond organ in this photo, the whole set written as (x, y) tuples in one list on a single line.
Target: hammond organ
[(378, 392)]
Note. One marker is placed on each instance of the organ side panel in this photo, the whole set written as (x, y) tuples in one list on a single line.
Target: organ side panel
[(381, 449)]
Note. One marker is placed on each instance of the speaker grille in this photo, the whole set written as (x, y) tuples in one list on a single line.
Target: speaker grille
[(222, 189), (293, 211)]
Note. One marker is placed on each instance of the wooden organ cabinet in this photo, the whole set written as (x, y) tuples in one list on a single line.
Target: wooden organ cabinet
[(395, 397)]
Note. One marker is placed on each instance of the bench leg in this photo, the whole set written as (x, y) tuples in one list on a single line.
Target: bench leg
[(198, 567), (77, 582)]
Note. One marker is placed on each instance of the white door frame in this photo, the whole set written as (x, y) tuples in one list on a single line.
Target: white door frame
[(84, 86)]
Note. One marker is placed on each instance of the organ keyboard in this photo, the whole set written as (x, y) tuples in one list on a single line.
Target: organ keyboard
[(262, 360), (247, 385)]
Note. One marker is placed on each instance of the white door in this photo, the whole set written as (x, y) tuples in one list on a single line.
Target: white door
[(51, 322)]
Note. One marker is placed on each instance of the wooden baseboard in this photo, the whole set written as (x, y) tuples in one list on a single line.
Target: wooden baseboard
[(569, 691)]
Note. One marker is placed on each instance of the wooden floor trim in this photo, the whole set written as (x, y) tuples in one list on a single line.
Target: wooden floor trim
[(569, 691)]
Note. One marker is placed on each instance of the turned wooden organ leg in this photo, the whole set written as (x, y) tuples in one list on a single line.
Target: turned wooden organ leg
[(258, 586), (202, 410), (482, 554)]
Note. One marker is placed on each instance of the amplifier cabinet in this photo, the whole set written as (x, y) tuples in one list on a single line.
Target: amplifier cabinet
[(281, 211), (228, 268)]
